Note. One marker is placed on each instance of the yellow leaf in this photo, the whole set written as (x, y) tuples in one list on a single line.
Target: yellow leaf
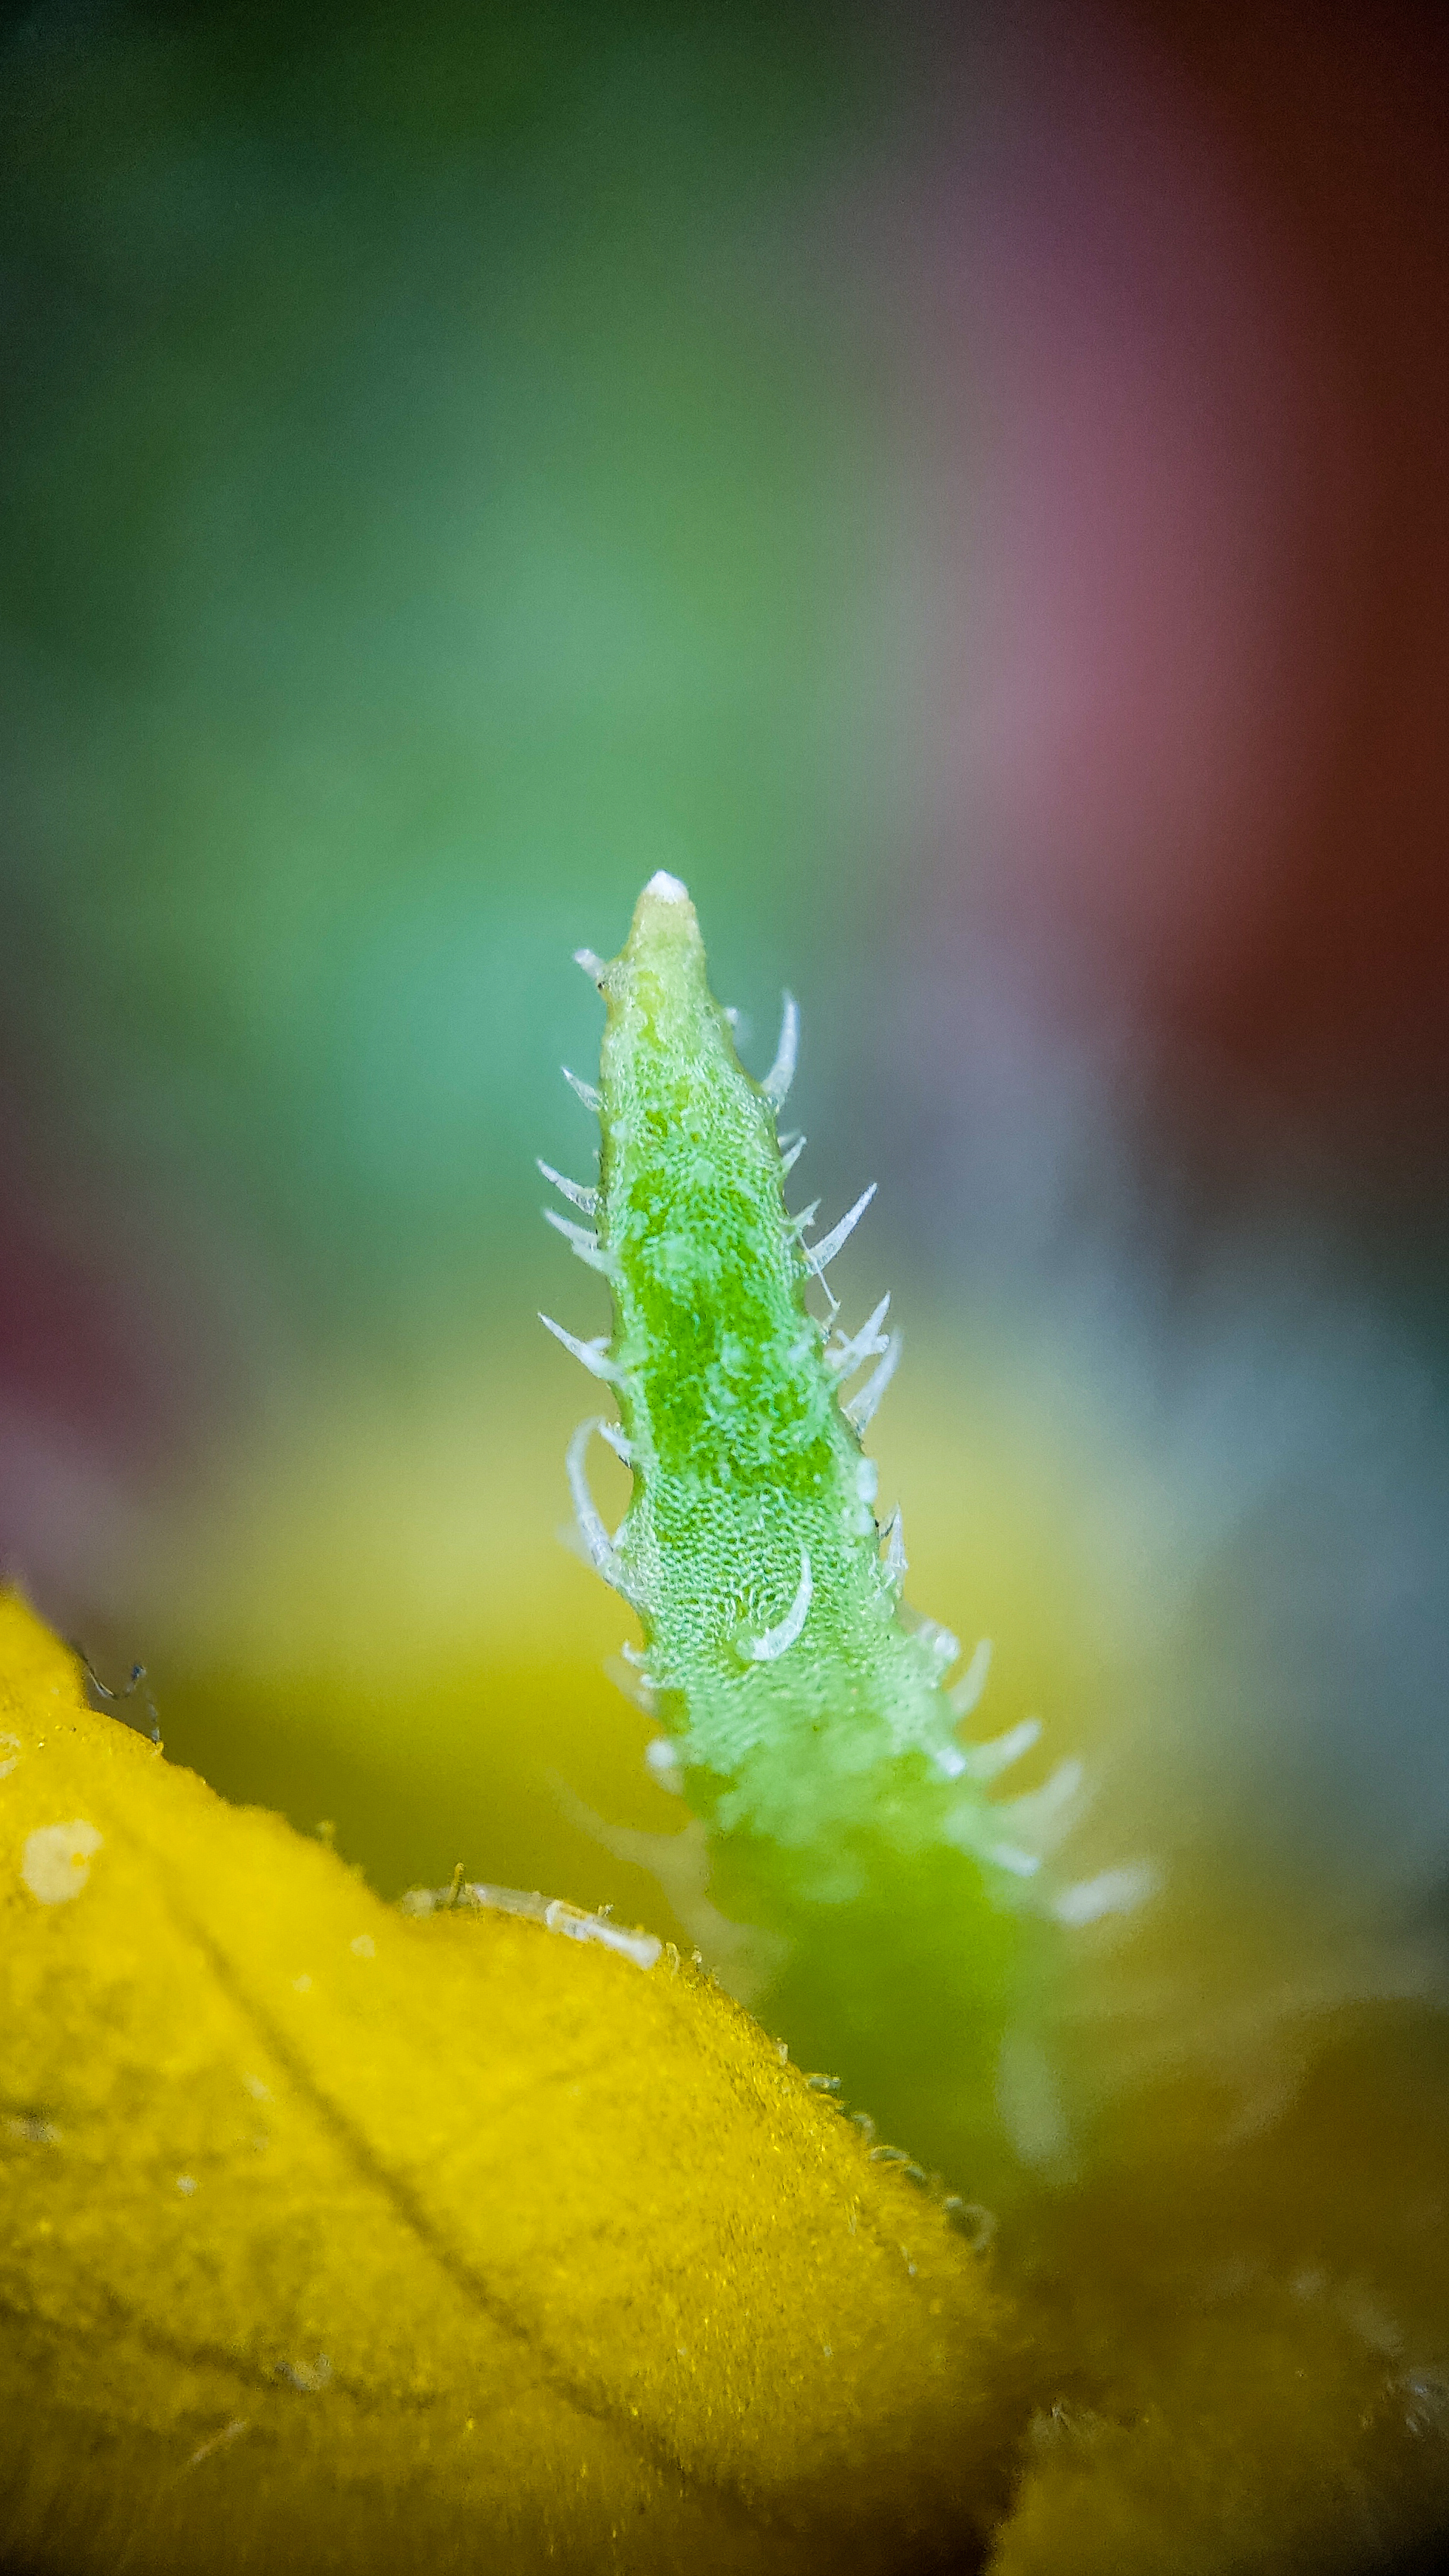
[(333, 2238)]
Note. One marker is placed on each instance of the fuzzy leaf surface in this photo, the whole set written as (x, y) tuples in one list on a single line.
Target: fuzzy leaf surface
[(336, 2238)]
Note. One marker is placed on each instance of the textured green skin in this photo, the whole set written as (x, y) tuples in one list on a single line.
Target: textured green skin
[(821, 1777), (741, 1452)]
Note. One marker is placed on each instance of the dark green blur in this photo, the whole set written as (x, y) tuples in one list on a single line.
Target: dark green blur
[(436, 491)]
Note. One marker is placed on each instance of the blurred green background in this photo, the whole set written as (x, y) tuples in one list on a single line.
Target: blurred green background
[(959, 489)]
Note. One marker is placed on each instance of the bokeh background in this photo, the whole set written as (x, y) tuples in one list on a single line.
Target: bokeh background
[(963, 488)]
